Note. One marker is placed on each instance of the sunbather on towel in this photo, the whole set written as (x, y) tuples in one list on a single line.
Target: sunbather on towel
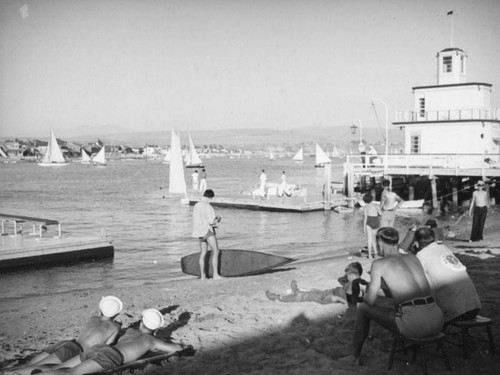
[(349, 291), (98, 330), (131, 346)]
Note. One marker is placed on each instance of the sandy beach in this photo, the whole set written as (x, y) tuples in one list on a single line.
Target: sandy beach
[(234, 328)]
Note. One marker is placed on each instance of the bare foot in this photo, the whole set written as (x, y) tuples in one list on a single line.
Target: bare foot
[(294, 286), (350, 360), (219, 277), (272, 296)]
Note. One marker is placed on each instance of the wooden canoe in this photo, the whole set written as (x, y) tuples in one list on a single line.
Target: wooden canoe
[(234, 263)]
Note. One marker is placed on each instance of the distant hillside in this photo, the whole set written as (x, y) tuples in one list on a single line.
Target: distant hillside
[(252, 138)]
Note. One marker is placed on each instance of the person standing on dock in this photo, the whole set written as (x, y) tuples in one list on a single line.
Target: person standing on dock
[(362, 152), (389, 203), (204, 224), (263, 181), (478, 210), (203, 181), (194, 180)]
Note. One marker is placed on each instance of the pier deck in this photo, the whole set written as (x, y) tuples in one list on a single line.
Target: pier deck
[(20, 248), (274, 204)]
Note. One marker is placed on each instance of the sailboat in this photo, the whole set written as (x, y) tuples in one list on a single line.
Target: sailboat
[(166, 159), (271, 155), (176, 179), (100, 159), (53, 156), (85, 157), (299, 156), (335, 153), (321, 157), (192, 159)]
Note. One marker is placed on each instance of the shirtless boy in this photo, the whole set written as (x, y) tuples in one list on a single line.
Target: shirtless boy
[(478, 210), (130, 347), (389, 203), (414, 314), (98, 330)]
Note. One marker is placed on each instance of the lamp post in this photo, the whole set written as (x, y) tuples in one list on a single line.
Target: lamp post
[(360, 131), (386, 131), (353, 128)]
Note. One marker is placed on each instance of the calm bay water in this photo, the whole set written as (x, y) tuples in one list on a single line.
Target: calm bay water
[(129, 201)]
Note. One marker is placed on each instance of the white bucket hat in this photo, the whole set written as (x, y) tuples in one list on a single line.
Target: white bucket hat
[(110, 306), (152, 319)]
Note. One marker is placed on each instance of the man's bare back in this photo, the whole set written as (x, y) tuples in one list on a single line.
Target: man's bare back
[(403, 275), (98, 330)]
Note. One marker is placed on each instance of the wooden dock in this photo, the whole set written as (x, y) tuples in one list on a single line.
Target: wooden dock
[(20, 247)]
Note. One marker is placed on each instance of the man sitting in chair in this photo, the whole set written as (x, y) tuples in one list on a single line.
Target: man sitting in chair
[(130, 347), (415, 314)]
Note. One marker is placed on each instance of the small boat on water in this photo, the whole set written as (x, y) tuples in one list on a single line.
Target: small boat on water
[(321, 157), (99, 160), (53, 156), (192, 158), (166, 159), (86, 159), (176, 178), (299, 156)]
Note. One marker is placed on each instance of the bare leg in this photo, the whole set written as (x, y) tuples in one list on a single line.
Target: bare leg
[(86, 367), (212, 242), (42, 359), (203, 255), (364, 315)]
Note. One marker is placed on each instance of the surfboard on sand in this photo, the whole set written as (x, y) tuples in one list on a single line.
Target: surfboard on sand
[(235, 263)]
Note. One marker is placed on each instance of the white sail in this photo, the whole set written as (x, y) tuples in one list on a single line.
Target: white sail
[(53, 155), (166, 159), (321, 157), (299, 156), (85, 157), (194, 159), (100, 159), (335, 152), (271, 155), (176, 180)]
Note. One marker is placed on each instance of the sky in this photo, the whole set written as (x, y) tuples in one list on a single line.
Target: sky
[(83, 66)]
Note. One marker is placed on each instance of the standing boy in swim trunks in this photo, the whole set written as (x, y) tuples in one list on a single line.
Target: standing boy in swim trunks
[(389, 203), (130, 347), (415, 313), (371, 223), (204, 222), (98, 330)]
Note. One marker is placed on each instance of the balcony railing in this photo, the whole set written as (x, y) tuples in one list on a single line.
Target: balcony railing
[(433, 163), (448, 115)]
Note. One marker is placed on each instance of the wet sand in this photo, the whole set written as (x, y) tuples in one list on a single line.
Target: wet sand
[(236, 329)]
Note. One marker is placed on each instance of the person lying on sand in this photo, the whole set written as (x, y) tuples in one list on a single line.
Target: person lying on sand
[(349, 291), (415, 313), (98, 330), (131, 346)]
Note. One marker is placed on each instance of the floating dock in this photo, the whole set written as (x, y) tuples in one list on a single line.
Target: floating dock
[(43, 246), (275, 205)]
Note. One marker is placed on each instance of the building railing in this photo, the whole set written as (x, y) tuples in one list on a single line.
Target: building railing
[(429, 162), (448, 115)]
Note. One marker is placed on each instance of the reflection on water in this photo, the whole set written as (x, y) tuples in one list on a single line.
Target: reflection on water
[(151, 230)]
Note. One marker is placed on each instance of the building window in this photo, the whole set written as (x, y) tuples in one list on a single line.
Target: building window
[(421, 107), (415, 144), (447, 64)]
